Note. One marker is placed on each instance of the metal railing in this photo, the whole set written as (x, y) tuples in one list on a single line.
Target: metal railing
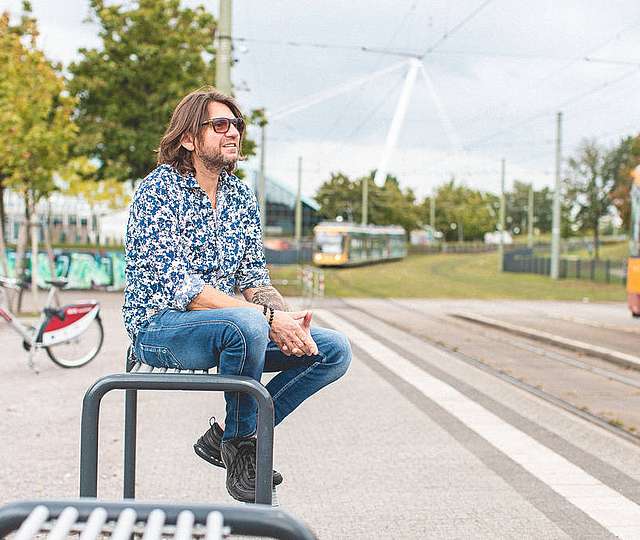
[(525, 260)]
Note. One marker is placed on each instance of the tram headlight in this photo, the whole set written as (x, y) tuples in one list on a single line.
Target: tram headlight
[(337, 257), (317, 257)]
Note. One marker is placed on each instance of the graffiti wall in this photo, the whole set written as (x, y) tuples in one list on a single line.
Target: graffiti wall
[(105, 270), (84, 270)]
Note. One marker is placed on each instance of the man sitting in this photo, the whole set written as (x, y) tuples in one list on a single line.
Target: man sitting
[(193, 240)]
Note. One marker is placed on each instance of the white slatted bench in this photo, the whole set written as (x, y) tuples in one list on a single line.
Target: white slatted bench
[(93, 519), (143, 377)]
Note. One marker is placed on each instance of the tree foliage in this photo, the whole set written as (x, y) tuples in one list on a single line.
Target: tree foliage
[(462, 213), (36, 128), (593, 173), (153, 53), (627, 158), (388, 205), (80, 177)]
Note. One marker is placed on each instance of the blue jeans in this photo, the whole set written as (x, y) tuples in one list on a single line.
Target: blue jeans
[(236, 341)]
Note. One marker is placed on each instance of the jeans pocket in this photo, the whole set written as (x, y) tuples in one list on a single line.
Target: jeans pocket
[(159, 357)]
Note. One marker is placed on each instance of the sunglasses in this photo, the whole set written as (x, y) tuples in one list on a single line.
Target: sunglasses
[(222, 125)]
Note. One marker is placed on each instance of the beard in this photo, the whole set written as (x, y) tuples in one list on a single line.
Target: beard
[(213, 160)]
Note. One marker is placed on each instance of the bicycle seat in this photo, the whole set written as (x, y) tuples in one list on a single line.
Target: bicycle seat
[(59, 282), (11, 283)]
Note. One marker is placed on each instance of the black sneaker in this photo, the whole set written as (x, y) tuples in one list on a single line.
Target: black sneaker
[(239, 456), (208, 448)]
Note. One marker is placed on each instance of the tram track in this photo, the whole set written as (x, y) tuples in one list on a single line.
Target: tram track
[(519, 344)]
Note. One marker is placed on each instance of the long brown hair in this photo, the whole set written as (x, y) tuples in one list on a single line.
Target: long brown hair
[(187, 118)]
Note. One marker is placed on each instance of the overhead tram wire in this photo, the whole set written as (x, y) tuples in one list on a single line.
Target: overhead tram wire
[(582, 58), (612, 62), (371, 114), (602, 44), (323, 95), (549, 110), (457, 27), (406, 53), (352, 100)]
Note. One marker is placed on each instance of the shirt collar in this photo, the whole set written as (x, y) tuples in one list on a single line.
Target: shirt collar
[(189, 180)]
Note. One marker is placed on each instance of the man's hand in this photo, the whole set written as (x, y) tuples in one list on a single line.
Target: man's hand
[(291, 331)]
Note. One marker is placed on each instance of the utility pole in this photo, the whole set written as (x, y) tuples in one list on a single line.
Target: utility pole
[(262, 184), (530, 217), (223, 49), (432, 211), (555, 227), (298, 227), (501, 224), (365, 200)]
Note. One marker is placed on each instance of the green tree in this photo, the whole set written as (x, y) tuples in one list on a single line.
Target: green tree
[(462, 213), (388, 205), (517, 201), (396, 207), (628, 157), (589, 185), (36, 129), (340, 197), (153, 53)]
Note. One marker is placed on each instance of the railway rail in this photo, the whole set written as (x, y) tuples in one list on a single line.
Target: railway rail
[(470, 343)]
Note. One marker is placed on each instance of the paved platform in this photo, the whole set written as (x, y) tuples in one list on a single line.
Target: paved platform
[(607, 325), (411, 443)]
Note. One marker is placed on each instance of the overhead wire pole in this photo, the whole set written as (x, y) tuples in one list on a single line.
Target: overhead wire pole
[(223, 48), (502, 220), (415, 63), (298, 225), (530, 215), (555, 227), (432, 211), (262, 183)]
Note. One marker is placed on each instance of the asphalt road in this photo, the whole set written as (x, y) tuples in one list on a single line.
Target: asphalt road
[(412, 443)]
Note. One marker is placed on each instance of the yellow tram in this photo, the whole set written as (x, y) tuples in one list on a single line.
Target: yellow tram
[(347, 244), (633, 262)]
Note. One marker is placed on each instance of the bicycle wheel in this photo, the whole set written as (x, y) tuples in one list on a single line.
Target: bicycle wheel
[(80, 350)]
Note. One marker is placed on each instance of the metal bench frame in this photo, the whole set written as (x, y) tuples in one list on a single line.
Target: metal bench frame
[(242, 520), (170, 379)]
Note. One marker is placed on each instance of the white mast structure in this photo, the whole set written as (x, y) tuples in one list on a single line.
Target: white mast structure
[(414, 65)]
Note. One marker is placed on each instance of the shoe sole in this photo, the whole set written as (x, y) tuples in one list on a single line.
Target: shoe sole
[(201, 452)]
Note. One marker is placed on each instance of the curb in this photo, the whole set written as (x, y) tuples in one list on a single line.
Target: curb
[(615, 357)]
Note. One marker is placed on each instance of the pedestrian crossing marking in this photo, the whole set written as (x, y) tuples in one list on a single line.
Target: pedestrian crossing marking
[(603, 504)]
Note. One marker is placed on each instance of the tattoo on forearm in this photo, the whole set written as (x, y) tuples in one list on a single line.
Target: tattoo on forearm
[(269, 296)]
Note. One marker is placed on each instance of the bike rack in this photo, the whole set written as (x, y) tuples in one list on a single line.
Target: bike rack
[(124, 519), (185, 380)]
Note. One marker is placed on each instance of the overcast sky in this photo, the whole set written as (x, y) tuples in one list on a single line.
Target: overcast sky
[(498, 80)]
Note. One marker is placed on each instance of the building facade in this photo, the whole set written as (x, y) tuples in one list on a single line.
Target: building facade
[(281, 207), (73, 221)]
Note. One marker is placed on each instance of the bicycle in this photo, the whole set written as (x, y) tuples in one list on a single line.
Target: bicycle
[(72, 334)]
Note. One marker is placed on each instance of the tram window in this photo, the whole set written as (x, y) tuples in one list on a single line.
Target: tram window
[(329, 243)]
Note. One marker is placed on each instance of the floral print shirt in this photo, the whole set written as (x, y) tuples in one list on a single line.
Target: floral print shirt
[(176, 242)]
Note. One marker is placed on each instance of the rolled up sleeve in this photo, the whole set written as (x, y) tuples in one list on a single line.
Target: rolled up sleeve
[(153, 235), (252, 271)]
